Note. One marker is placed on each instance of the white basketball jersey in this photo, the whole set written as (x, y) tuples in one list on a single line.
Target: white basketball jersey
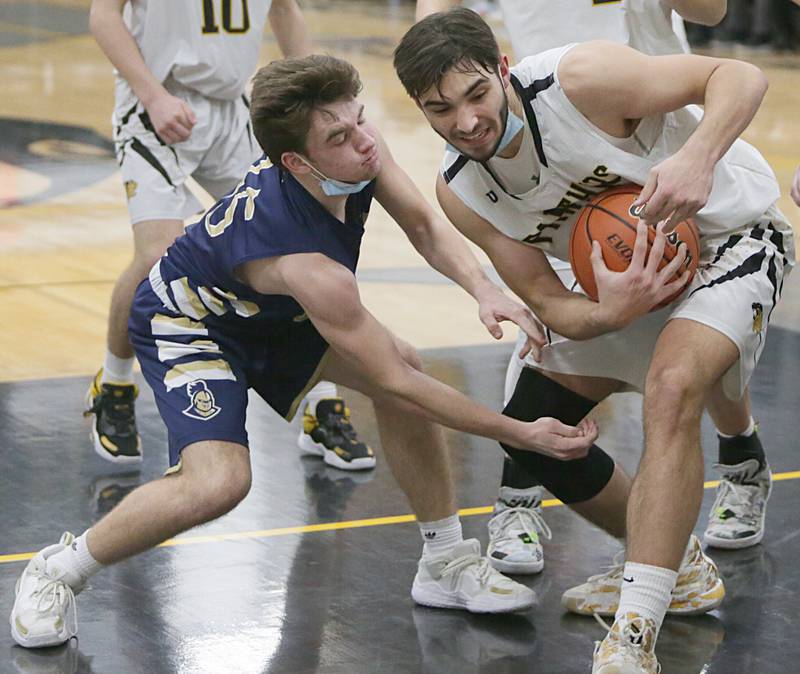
[(209, 46), (575, 161), (538, 25)]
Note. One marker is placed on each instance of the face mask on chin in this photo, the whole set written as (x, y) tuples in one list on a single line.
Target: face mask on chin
[(332, 187)]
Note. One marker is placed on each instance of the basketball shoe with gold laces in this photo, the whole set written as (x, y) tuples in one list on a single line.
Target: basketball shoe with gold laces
[(627, 648), (114, 435), (328, 433), (699, 588)]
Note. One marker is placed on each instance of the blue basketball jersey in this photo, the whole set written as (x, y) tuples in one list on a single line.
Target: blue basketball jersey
[(269, 214)]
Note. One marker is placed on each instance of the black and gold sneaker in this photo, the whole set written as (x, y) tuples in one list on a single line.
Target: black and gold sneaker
[(329, 434), (114, 435)]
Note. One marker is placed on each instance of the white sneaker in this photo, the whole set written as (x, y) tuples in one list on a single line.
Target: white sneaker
[(627, 648), (44, 611), (699, 588), (461, 578), (737, 516), (514, 529)]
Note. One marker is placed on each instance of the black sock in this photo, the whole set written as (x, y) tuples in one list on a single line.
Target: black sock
[(740, 448), (516, 477)]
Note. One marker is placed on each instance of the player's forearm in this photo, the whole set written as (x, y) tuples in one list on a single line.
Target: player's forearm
[(732, 97), (570, 314), (706, 12), (426, 7), (446, 406), (446, 251), (120, 48), (290, 29)]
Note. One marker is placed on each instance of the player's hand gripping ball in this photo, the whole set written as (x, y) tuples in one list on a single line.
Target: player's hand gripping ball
[(608, 218)]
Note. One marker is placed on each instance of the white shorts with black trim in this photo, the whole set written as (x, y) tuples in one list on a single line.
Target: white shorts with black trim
[(154, 174), (736, 287)]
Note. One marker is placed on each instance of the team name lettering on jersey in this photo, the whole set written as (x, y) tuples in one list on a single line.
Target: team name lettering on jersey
[(574, 200)]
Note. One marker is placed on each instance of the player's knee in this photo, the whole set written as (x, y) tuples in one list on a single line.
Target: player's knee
[(674, 392), (537, 396), (219, 488)]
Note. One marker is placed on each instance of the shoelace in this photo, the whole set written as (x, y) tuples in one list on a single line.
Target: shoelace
[(50, 593), (613, 571), (528, 519), (483, 571), (738, 498), (631, 637), (341, 423)]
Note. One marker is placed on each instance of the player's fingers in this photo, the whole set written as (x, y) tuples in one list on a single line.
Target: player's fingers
[(530, 326), (639, 246), (656, 251), (596, 258), (673, 286), (492, 325), (674, 265), (191, 118), (639, 206)]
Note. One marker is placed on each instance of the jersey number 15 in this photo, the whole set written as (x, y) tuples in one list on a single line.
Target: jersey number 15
[(210, 20)]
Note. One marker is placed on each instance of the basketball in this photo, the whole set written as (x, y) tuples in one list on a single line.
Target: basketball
[(608, 219)]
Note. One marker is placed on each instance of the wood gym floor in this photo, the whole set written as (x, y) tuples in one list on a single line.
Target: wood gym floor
[(312, 572)]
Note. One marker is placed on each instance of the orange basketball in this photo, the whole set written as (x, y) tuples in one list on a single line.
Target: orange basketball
[(608, 219)]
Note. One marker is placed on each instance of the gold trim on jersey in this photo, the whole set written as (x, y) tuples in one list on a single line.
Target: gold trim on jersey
[(180, 325), (187, 300), (168, 350), (183, 373)]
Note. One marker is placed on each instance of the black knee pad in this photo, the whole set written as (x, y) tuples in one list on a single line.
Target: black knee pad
[(537, 396)]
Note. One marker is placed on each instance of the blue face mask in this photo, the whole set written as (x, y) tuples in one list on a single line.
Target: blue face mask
[(335, 188)]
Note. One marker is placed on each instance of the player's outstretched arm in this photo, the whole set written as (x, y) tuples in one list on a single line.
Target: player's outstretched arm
[(447, 252), (705, 12), (328, 293), (730, 91), (623, 297), (172, 118), (290, 29), (426, 7)]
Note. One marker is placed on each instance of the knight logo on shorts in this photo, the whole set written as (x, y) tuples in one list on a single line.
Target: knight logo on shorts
[(130, 188), (758, 317), (203, 406)]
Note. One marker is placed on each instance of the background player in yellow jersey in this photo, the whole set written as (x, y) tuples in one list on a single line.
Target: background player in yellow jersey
[(181, 111)]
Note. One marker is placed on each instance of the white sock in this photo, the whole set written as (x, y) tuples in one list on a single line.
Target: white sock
[(646, 591), (745, 434), (441, 536), (323, 389), (74, 564), (117, 370)]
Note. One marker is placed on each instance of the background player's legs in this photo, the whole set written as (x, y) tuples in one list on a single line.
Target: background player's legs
[(738, 513), (112, 393)]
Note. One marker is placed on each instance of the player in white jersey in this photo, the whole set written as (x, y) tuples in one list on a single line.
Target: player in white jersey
[(528, 148), (653, 27), (181, 111)]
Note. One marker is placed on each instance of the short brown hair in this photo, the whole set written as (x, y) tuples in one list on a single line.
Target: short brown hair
[(286, 92), (457, 39)]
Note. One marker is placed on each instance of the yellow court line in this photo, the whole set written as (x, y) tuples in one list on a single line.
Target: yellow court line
[(337, 526)]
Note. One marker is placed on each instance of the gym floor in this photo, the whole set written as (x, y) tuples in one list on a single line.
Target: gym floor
[(312, 572)]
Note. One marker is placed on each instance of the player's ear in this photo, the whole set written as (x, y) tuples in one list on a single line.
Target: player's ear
[(505, 73), (294, 163)]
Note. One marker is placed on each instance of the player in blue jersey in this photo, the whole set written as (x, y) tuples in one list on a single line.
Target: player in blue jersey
[(260, 293)]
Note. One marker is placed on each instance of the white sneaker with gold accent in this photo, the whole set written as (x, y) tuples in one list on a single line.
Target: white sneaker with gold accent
[(627, 648), (699, 588), (463, 579), (44, 611)]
